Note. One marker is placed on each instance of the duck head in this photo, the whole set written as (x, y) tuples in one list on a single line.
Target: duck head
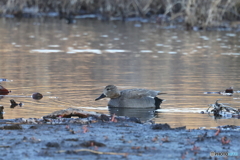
[(109, 91)]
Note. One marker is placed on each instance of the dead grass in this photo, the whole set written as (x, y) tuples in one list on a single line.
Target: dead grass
[(203, 13)]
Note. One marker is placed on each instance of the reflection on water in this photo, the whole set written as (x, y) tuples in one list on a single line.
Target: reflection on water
[(143, 114), (71, 64)]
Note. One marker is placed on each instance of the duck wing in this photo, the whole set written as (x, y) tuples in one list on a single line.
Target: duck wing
[(139, 93)]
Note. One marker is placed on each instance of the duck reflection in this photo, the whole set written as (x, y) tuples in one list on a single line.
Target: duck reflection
[(143, 114)]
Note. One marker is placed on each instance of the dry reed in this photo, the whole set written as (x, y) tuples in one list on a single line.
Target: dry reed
[(203, 13)]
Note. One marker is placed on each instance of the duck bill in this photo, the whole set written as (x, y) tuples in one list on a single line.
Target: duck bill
[(100, 97)]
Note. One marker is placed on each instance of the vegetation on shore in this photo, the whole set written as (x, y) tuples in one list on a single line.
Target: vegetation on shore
[(200, 13)]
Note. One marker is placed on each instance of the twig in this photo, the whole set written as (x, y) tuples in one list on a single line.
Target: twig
[(96, 152)]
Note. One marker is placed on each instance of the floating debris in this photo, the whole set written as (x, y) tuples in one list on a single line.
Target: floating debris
[(4, 91), (222, 110), (228, 92), (37, 96), (229, 127), (14, 104), (1, 111)]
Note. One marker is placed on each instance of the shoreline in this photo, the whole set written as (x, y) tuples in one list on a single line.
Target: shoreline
[(118, 140), (99, 136), (191, 15)]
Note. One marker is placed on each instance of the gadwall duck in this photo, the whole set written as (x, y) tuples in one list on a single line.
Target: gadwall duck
[(131, 98)]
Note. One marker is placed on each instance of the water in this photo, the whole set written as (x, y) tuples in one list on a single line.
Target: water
[(71, 64)]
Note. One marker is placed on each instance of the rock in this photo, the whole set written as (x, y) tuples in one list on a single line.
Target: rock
[(12, 127), (92, 143), (68, 113), (53, 144), (161, 126)]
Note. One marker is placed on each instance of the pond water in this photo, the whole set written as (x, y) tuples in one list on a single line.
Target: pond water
[(71, 64)]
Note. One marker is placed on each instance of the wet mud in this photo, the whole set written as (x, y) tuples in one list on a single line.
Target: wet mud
[(114, 140)]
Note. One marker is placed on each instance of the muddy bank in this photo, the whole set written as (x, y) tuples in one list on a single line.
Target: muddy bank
[(117, 140)]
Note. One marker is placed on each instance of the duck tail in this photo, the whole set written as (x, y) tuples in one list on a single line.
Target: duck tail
[(158, 102)]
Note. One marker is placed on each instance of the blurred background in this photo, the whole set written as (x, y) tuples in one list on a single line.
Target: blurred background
[(70, 50)]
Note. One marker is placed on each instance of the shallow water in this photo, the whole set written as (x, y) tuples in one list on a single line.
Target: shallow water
[(71, 64)]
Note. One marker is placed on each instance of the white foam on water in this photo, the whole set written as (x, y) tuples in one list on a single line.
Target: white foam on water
[(71, 51), (137, 25), (224, 47), (204, 37), (64, 39), (115, 50), (45, 51), (172, 52), (104, 35), (54, 46), (231, 34)]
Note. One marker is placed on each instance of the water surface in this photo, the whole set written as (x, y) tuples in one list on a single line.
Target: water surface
[(71, 64)]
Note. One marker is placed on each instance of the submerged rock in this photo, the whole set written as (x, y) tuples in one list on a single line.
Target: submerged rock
[(68, 113), (11, 127), (92, 143), (166, 127)]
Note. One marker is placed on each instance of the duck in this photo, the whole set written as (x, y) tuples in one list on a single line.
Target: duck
[(131, 98)]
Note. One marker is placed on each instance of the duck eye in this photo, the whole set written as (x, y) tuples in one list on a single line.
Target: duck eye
[(108, 89)]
